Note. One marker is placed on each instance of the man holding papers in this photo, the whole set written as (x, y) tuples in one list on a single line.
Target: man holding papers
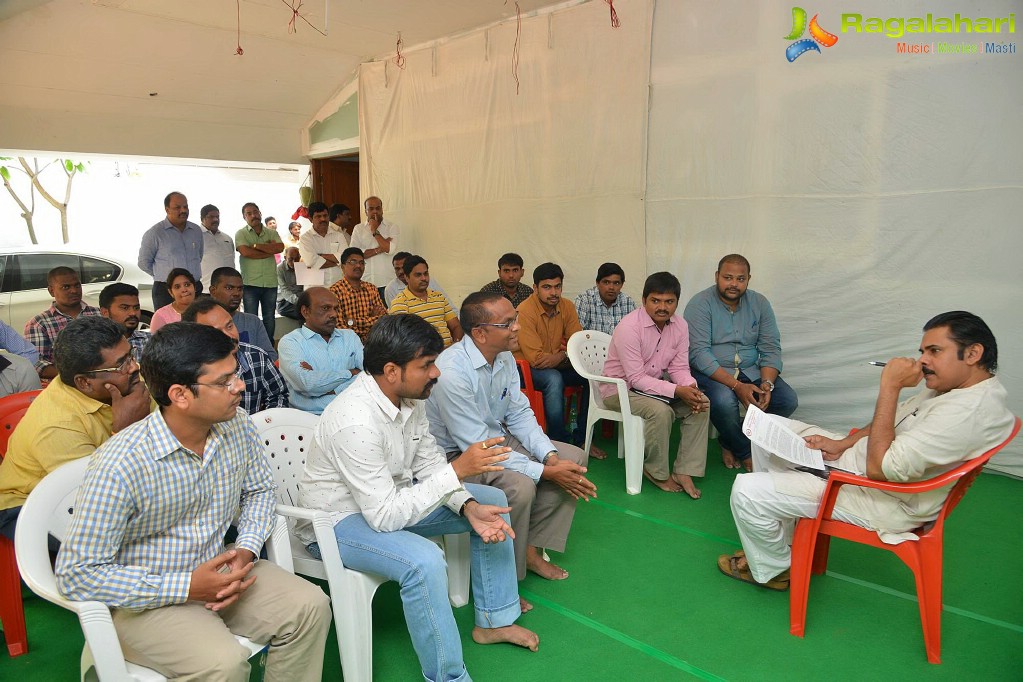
[(961, 414)]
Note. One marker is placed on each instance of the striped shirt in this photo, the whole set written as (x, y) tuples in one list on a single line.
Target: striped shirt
[(138, 341), (435, 309), (264, 385), (150, 511), (41, 331), (595, 314), (332, 364), (522, 291), (360, 308)]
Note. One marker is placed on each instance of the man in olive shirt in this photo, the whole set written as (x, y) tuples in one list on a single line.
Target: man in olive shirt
[(257, 245)]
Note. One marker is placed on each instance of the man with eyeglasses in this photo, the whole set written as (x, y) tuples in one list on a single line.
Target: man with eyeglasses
[(96, 393), (41, 331), (477, 397), (360, 301), (147, 536)]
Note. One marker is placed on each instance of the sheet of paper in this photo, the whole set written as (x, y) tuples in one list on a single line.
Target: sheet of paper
[(770, 433), (308, 277)]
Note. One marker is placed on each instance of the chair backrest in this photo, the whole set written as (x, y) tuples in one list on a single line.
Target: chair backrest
[(12, 408), (587, 351), (287, 436), (967, 474)]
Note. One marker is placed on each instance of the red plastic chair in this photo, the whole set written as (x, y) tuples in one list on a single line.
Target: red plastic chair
[(12, 613), (812, 539), (534, 396)]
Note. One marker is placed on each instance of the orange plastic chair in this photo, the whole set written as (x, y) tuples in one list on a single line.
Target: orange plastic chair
[(534, 396), (924, 557), (12, 613)]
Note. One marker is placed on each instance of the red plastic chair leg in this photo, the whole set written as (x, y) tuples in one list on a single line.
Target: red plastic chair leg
[(928, 592), (799, 575), (12, 613), (820, 554)]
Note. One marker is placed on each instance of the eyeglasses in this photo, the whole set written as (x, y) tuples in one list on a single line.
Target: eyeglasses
[(501, 325), (352, 261), (124, 368), (229, 384)]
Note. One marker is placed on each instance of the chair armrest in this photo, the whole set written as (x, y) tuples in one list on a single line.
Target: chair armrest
[(278, 545), (836, 479)]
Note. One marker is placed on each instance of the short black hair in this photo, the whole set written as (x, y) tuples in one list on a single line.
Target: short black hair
[(608, 269), (737, 259), (222, 273), (349, 252), (316, 207), (266, 220), (474, 309), (411, 262), (399, 339), (247, 204), (176, 355), (547, 271), (662, 283), (78, 347), (336, 210), (206, 210), (305, 300), (112, 291), (166, 199), (201, 306), (179, 272), (401, 255), (967, 329), (512, 259), (59, 271)]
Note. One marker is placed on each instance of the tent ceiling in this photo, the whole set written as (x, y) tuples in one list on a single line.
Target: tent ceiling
[(78, 74)]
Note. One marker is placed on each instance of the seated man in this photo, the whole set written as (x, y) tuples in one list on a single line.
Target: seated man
[(318, 360), (226, 287), (398, 284), (652, 343), (96, 392), (735, 353), (360, 302), (508, 284), (477, 397), (961, 414), (120, 302), (287, 288), (41, 331), (147, 534), (17, 363), (602, 307), (382, 477), (264, 385), (419, 299)]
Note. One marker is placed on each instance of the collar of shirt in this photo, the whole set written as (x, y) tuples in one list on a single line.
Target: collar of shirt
[(647, 321), (73, 395), (164, 442), (595, 296), (168, 225), (308, 333), (473, 352), (383, 402), (53, 309)]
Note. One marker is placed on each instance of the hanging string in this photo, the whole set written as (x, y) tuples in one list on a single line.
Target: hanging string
[(239, 51), (297, 14), (515, 49), (399, 58), (614, 14)]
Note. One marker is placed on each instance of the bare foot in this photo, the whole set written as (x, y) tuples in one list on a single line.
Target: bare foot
[(687, 485), (597, 453), (512, 634), (747, 464), (543, 568), (729, 459), (524, 606), (668, 485)]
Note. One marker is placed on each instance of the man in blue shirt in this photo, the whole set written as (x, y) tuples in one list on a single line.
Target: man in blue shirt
[(735, 356), (478, 397), (319, 360), (174, 242)]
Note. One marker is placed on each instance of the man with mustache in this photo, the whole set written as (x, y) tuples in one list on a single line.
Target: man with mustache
[(318, 360), (960, 414), (361, 305), (120, 302), (321, 247), (218, 247), (96, 392), (376, 237), (174, 242), (258, 244), (41, 331), (735, 354), (226, 287)]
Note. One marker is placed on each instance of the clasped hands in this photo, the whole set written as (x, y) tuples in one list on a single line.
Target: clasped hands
[(221, 581)]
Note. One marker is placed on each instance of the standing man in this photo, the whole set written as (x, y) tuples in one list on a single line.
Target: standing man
[(360, 302), (147, 536), (41, 331), (602, 307), (508, 282), (218, 247), (418, 299), (321, 247), (735, 350), (171, 243), (227, 288), (341, 222), (649, 344), (477, 398), (376, 236), (387, 486), (288, 289), (257, 245), (120, 302)]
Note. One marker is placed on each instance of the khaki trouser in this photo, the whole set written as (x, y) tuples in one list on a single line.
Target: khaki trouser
[(657, 420)]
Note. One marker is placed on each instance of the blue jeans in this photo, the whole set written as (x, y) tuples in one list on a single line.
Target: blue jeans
[(724, 410), (552, 382), (262, 297), (417, 564)]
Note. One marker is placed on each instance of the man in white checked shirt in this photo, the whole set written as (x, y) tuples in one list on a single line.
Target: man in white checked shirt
[(147, 536)]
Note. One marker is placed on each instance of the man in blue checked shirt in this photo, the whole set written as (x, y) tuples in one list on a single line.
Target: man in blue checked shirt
[(147, 536)]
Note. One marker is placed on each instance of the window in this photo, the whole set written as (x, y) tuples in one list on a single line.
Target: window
[(95, 271), (32, 268)]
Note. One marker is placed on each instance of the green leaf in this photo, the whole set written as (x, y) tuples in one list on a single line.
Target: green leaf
[(4, 173), (80, 167), (69, 165)]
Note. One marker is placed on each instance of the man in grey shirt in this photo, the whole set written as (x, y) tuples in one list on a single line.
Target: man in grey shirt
[(174, 242)]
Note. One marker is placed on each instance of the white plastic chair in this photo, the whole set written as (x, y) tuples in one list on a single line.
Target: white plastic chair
[(48, 510), (587, 351), (287, 435)]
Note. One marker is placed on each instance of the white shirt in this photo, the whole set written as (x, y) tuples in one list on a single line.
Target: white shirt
[(218, 252), (311, 245), (344, 235), (379, 270), (368, 453)]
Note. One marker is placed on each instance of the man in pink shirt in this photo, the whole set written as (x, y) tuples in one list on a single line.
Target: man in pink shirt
[(650, 351)]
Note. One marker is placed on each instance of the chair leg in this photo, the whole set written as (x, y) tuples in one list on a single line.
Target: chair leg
[(353, 617), (928, 575), (590, 421), (803, 541), (457, 555), (633, 428), (820, 554), (12, 612)]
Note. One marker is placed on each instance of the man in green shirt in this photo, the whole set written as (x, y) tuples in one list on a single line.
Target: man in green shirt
[(257, 244)]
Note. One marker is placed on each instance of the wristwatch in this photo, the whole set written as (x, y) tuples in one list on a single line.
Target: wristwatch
[(461, 510), (770, 384)]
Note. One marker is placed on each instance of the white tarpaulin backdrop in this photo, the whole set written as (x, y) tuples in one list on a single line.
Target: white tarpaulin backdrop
[(870, 189)]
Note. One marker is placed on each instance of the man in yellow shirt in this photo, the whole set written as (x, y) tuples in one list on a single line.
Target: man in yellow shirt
[(417, 298), (97, 392)]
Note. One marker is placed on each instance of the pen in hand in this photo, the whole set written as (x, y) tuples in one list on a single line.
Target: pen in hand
[(877, 363)]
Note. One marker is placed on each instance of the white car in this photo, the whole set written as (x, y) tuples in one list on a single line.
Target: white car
[(23, 293)]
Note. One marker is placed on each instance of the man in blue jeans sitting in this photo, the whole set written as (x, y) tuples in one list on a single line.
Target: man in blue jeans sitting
[(388, 486), (735, 356)]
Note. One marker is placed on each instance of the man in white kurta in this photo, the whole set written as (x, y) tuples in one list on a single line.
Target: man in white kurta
[(960, 415), (377, 238)]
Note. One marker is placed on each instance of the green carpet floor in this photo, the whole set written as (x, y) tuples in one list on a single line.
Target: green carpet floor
[(645, 602)]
